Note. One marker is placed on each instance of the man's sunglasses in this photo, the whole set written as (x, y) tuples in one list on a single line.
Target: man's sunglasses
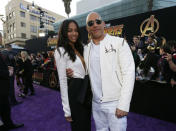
[(91, 22)]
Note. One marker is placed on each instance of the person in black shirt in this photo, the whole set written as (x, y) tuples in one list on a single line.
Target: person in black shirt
[(5, 109), (9, 59), (27, 73)]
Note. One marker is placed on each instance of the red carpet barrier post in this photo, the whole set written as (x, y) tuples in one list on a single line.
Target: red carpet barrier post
[(47, 78)]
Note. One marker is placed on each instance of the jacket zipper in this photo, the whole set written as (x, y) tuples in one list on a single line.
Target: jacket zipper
[(118, 78), (101, 74)]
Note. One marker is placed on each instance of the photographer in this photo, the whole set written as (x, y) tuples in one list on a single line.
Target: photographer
[(171, 62), (149, 65), (171, 58), (166, 72)]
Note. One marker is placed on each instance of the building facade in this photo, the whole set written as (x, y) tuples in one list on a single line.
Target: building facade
[(0, 38), (84, 6), (24, 19), (120, 9)]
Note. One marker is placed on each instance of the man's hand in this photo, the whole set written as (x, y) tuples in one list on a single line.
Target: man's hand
[(21, 72), (168, 57), (69, 119), (120, 113), (10, 70), (173, 82), (69, 72)]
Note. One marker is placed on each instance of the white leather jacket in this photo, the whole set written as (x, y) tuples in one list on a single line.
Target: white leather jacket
[(117, 70)]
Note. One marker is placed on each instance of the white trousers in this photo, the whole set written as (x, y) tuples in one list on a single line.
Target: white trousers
[(105, 118), (1, 123)]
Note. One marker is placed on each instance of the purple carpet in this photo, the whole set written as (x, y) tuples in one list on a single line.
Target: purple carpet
[(43, 112)]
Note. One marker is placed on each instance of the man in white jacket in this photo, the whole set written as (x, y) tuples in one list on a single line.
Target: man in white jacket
[(111, 69), (112, 73)]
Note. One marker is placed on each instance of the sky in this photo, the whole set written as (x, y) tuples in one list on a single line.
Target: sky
[(56, 6)]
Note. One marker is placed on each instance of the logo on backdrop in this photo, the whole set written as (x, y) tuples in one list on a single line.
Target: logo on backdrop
[(149, 26), (114, 30), (52, 41)]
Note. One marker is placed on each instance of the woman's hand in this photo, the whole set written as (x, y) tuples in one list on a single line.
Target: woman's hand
[(69, 119)]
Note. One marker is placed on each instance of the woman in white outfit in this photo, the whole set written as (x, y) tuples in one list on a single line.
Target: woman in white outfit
[(69, 54)]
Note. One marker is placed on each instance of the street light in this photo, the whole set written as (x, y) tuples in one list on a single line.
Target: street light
[(42, 34), (40, 11), (42, 14), (33, 4), (1, 16)]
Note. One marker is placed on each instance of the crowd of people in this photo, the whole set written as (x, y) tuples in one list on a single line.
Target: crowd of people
[(34, 62), (21, 67), (155, 59), (111, 63)]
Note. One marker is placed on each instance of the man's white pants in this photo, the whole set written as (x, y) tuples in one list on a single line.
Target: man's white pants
[(1, 123), (105, 118)]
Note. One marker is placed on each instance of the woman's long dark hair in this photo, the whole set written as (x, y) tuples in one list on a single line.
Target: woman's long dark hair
[(63, 40)]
